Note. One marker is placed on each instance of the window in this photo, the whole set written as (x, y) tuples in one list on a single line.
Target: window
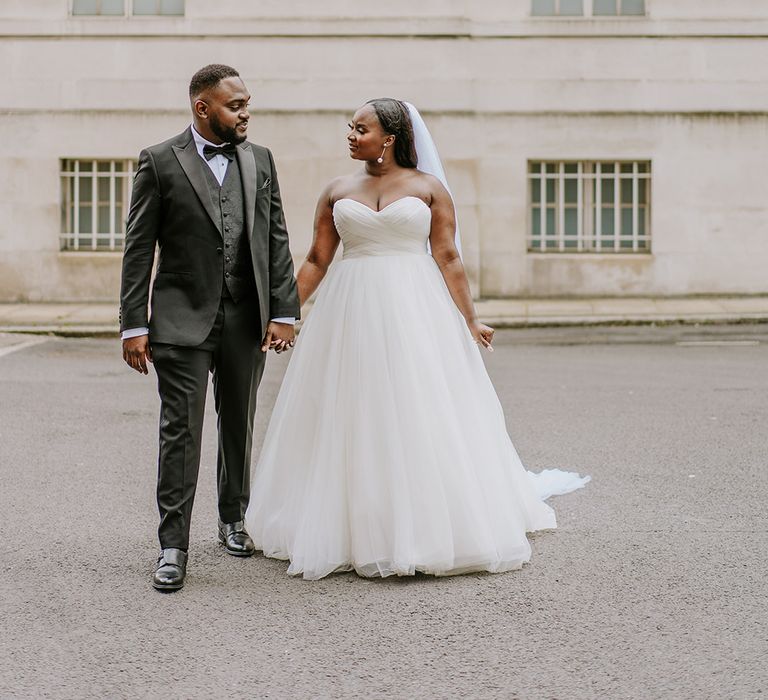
[(580, 8), (98, 7), (95, 196), (601, 207), (158, 7), (563, 8), (137, 8), (618, 7)]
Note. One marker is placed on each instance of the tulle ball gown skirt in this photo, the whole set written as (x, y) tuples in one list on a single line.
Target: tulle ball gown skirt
[(387, 451)]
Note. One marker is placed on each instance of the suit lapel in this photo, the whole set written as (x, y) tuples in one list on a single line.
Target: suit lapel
[(193, 165), (248, 174)]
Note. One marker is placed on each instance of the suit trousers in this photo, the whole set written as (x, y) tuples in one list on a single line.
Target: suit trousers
[(232, 354)]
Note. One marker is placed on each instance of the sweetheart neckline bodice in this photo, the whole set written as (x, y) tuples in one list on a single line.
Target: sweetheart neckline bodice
[(383, 209)]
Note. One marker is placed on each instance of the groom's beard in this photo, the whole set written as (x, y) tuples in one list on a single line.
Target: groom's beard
[(228, 134)]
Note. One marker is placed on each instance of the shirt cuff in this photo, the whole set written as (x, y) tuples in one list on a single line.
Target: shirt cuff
[(133, 333), (285, 319)]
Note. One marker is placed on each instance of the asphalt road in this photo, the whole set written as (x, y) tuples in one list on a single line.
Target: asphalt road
[(654, 585)]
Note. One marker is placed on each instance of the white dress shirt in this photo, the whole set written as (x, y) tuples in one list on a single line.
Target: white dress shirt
[(218, 165)]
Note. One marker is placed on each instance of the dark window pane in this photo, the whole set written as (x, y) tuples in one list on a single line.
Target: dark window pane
[(571, 221), (551, 168), (119, 226), (571, 8), (606, 190), (633, 7), (551, 191), (542, 7), (103, 220), (642, 167), (607, 222), (85, 189), (642, 190), (103, 166), (550, 224), (536, 221), (571, 191), (626, 191), (535, 190), (626, 222), (604, 7), (103, 188), (641, 222), (626, 168), (85, 7), (571, 168), (86, 221), (534, 167), (86, 166), (113, 7), (145, 7), (172, 7), (607, 167)]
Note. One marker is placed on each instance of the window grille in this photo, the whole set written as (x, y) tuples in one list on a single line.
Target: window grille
[(586, 206), (123, 8), (562, 8), (588, 8), (618, 7), (98, 7), (95, 196), (158, 7)]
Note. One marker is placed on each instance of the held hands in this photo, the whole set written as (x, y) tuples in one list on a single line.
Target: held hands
[(482, 334), (279, 337), (136, 352)]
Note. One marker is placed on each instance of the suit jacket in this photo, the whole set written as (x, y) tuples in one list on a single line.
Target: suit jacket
[(171, 208)]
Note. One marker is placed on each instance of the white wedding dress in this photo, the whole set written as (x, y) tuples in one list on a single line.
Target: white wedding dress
[(387, 451)]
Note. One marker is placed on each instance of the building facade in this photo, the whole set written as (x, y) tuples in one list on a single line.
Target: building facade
[(594, 147)]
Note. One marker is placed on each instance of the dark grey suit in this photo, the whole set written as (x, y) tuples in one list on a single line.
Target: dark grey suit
[(200, 319)]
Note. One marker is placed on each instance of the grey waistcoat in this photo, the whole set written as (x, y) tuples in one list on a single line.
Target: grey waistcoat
[(239, 281)]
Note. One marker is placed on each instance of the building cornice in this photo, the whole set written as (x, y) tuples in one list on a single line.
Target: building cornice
[(389, 27)]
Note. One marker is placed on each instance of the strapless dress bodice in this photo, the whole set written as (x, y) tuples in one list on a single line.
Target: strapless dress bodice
[(400, 228)]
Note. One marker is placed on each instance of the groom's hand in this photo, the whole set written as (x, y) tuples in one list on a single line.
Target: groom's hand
[(279, 336), (136, 352)]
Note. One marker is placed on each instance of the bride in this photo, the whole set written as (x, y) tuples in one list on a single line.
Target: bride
[(387, 451)]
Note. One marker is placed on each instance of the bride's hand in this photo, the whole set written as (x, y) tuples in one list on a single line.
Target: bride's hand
[(482, 334)]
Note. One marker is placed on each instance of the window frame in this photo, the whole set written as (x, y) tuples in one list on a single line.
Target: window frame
[(71, 239), (589, 205), (589, 14), (128, 12), (557, 14)]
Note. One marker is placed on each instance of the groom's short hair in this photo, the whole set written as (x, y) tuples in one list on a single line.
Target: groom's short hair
[(209, 77)]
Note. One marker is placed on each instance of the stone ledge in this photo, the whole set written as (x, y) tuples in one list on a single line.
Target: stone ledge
[(85, 319)]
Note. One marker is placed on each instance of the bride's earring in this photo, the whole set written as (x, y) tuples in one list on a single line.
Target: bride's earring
[(380, 159)]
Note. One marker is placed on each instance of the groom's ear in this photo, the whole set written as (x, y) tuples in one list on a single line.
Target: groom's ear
[(200, 108)]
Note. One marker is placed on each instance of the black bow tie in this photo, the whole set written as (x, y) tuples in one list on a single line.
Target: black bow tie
[(227, 150)]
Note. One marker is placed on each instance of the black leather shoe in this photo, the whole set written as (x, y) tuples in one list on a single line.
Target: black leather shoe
[(237, 541), (171, 570)]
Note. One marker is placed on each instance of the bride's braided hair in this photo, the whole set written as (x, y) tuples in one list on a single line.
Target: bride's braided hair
[(394, 119)]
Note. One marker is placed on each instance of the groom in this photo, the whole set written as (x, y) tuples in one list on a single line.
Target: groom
[(223, 294)]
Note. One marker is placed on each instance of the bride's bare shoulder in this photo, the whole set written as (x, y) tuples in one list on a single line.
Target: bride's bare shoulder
[(431, 186), (338, 188)]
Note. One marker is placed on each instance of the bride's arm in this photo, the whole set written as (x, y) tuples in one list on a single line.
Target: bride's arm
[(444, 251), (325, 241)]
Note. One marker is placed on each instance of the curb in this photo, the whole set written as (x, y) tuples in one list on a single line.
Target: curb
[(499, 322)]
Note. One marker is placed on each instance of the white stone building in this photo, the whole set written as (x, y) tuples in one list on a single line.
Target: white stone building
[(562, 123)]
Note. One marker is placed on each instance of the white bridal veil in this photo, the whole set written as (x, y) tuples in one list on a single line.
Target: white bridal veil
[(428, 157)]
